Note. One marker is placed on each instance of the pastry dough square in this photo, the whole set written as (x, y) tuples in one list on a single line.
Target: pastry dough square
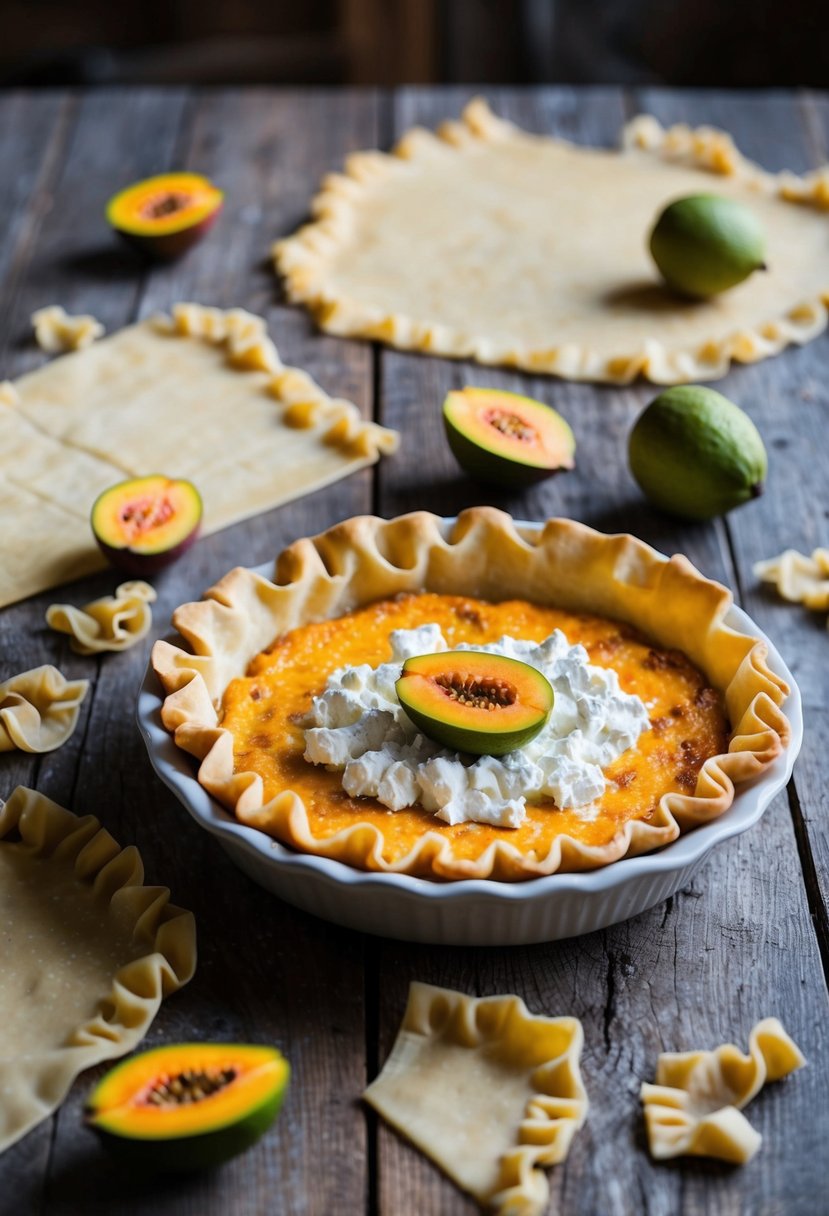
[(486, 1089), (89, 954), (485, 242), (203, 396)]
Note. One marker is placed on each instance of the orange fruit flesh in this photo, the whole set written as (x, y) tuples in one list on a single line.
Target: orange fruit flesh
[(429, 681), (147, 514), (121, 1104), (164, 204)]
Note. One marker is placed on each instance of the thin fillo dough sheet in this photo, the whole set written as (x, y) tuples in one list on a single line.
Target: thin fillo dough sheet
[(89, 953), (489, 243), (202, 396)]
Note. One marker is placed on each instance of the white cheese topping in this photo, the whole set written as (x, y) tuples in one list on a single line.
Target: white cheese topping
[(358, 726)]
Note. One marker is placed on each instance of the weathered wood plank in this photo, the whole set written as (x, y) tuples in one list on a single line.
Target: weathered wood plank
[(734, 946), (788, 400), (700, 969), (266, 973), (56, 248), (33, 132)]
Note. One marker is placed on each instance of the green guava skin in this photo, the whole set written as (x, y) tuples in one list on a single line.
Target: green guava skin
[(696, 454), (705, 244)]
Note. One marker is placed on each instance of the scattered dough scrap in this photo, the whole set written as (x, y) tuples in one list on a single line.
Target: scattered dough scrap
[(89, 952), (39, 709), (485, 242), (114, 622), (798, 578), (694, 1107), (56, 332), (486, 1089)]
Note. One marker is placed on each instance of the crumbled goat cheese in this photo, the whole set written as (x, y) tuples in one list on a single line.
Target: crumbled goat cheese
[(358, 726)]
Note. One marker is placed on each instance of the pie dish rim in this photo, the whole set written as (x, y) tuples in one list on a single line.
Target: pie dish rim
[(634, 882)]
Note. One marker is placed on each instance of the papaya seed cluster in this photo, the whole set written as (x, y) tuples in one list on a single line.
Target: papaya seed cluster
[(168, 203), (512, 425), (476, 692), (148, 512), (192, 1085)]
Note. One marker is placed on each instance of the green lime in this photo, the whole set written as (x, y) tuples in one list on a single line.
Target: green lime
[(695, 453), (704, 244)]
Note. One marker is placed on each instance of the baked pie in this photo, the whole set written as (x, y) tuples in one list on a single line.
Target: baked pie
[(287, 696)]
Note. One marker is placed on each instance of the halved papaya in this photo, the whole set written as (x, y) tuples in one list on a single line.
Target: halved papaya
[(167, 214), (144, 523), (505, 438), (188, 1106), (475, 702)]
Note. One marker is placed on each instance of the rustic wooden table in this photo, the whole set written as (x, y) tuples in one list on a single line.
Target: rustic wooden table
[(748, 938)]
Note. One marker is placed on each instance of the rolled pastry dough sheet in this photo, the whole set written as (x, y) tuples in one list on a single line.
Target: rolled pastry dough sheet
[(140, 402)]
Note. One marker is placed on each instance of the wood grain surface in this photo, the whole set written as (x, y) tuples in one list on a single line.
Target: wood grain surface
[(747, 939)]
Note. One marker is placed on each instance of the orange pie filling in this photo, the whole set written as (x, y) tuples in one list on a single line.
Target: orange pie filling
[(264, 711)]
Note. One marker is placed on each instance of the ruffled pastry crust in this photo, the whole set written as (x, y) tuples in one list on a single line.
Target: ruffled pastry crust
[(35, 1075), (76, 426), (340, 276), (57, 332), (39, 709), (798, 578), (694, 1107), (566, 563), (486, 1089), (245, 338), (114, 622)]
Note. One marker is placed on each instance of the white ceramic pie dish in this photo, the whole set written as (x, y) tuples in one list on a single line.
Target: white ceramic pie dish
[(473, 912)]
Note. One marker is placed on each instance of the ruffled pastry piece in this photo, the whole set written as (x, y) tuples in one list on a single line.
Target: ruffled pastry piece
[(243, 333), (402, 251), (798, 578), (57, 332), (39, 709), (115, 622), (89, 953), (694, 1107), (245, 339), (487, 1090)]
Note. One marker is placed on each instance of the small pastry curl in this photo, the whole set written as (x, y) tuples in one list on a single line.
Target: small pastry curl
[(798, 578), (694, 1107), (39, 709), (57, 332), (114, 622)]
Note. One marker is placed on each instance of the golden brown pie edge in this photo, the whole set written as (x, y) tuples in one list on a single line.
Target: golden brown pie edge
[(304, 258), (365, 559)]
